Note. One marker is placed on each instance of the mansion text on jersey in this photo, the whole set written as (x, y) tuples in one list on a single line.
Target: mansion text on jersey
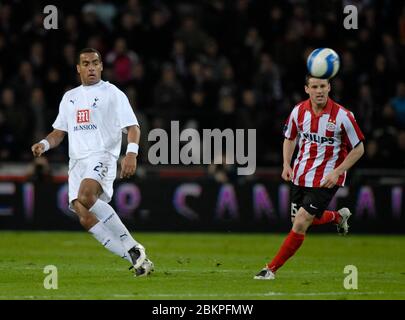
[(85, 127)]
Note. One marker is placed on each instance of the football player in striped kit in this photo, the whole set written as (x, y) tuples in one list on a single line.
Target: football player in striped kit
[(329, 143)]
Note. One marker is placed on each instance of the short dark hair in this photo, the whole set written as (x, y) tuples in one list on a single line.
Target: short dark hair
[(309, 76), (87, 50)]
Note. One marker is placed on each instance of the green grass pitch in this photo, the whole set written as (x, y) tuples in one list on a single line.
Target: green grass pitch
[(206, 266)]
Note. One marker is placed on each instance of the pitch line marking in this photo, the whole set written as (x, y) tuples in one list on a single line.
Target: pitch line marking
[(163, 295)]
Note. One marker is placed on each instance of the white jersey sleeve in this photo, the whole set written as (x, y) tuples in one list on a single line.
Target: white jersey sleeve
[(61, 122), (126, 115)]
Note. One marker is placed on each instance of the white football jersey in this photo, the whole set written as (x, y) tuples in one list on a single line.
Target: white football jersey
[(94, 118)]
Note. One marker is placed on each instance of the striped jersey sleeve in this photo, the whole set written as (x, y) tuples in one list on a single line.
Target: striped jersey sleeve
[(352, 130), (290, 126)]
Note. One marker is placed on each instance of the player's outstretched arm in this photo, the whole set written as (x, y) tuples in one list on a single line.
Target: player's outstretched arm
[(52, 140)]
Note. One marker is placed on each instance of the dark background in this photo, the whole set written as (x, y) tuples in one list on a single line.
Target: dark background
[(208, 64)]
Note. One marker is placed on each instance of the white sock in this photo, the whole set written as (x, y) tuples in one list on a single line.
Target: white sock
[(104, 236), (105, 213)]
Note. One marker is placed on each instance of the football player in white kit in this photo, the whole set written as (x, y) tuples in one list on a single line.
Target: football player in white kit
[(94, 115)]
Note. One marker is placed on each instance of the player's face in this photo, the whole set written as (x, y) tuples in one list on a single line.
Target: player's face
[(90, 68), (318, 91)]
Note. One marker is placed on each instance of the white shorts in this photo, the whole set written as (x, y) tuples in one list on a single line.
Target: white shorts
[(101, 167)]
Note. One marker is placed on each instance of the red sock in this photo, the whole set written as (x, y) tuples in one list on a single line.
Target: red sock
[(288, 248), (327, 217)]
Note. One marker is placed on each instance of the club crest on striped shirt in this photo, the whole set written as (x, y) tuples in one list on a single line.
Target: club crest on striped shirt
[(331, 125)]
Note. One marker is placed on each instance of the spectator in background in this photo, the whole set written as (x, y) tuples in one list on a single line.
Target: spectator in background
[(200, 111), (121, 60), (365, 109), (349, 74), (228, 82), (91, 25), (17, 122), (6, 25), (133, 7), (385, 134), (267, 80), (33, 30), (399, 159), (159, 37), (338, 91), (39, 116), (372, 156), (96, 41), (179, 59), (212, 58), (226, 117), (381, 80), (142, 86), (25, 81), (37, 59), (390, 51), (195, 78), (131, 29), (70, 31), (401, 27), (251, 51), (53, 87), (398, 104), (249, 113), (192, 35), (104, 10), (68, 64), (168, 95), (6, 54), (7, 143)]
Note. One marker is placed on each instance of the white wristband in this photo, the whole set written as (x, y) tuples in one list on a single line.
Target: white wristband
[(46, 144), (132, 147)]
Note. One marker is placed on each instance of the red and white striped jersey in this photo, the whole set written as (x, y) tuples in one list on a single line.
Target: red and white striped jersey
[(324, 141)]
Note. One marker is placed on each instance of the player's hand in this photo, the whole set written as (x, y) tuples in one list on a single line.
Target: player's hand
[(38, 149), (287, 173), (128, 165), (330, 180)]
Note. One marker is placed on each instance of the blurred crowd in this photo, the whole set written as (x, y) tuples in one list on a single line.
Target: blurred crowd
[(209, 64)]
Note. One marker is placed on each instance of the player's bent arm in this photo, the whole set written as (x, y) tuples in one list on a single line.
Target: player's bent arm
[(352, 157), (288, 151), (51, 141), (128, 163), (55, 138), (134, 134)]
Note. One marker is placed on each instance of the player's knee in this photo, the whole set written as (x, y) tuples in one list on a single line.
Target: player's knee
[(299, 227), (302, 221), (86, 198)]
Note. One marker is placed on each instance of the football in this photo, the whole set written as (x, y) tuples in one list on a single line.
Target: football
[(323, 63)]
